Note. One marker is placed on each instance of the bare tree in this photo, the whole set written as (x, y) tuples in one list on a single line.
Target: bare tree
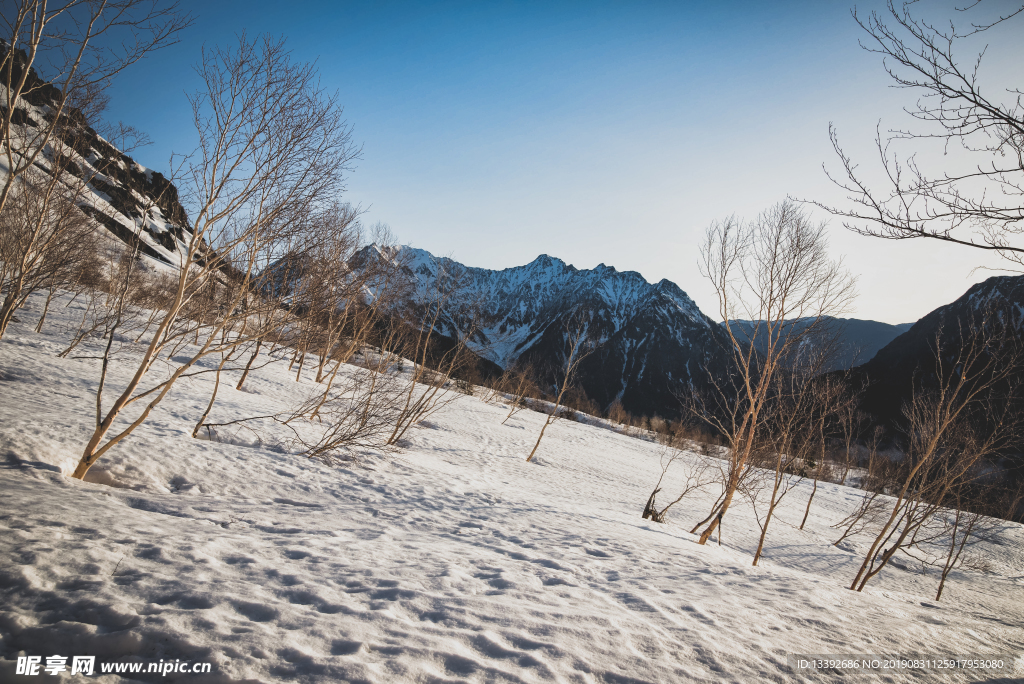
[(831, 396), (973, 516), (272, 148), (228, 351), (698, 473), (873, 484), (791, 417), (436, 359), (359, 412), (361, 406), (520, 385), (852, 422), (328, 289), (45, 240), (975, 198), (966, 411), (46, 129), (770, 272), (579, 347), (961, 527)]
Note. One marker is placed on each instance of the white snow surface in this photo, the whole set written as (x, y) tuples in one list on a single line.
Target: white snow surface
[(452, 560)]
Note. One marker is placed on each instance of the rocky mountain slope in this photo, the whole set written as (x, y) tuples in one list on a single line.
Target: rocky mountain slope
[(650, 340), (136, 205)]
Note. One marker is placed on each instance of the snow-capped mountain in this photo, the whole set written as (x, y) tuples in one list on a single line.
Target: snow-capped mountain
[(136, 205), (651, 340)]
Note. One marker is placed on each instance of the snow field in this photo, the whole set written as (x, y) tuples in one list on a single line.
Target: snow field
[(452, 560)]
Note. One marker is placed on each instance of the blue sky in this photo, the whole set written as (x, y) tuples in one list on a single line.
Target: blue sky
[(597, 132)]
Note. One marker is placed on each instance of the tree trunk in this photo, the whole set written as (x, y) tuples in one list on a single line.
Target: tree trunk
[(103, 375), (539, 437), (942, 584), (809, 500), (248, 365), (327, 391), (649, 510), (768, 518), (7, 310), (716, 521), (817, 476), (46, 308), (714, 510), (213, 396)]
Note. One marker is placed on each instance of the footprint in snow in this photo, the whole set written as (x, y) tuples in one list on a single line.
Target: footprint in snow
[(343, 647), (257, 612)]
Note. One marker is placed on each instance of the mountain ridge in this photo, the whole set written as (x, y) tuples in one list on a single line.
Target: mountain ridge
[(649, 337), (890, 375), (857, 340)]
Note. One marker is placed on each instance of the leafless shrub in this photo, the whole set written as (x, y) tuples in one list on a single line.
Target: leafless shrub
[(975, 562), (273, 148), (617, 413), (698, 473), (965, 411), (46, 242), (770, 272), (520, 384), (360, 413)]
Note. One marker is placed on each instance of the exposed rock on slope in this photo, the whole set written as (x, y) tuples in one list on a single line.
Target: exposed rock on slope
[(652, 339), (135, 204)]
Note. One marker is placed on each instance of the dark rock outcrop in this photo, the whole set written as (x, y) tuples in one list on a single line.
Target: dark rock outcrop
[(135, 204)]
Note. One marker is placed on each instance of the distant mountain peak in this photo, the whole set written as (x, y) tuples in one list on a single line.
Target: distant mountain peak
[(653, 337)]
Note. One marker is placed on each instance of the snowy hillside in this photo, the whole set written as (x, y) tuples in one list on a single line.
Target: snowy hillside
[(652, 339), (450, 560)]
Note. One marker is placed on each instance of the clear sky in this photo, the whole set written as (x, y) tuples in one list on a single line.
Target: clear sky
[(597, 132)]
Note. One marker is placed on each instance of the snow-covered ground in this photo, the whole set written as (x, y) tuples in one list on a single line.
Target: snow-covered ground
[(451, 560)]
